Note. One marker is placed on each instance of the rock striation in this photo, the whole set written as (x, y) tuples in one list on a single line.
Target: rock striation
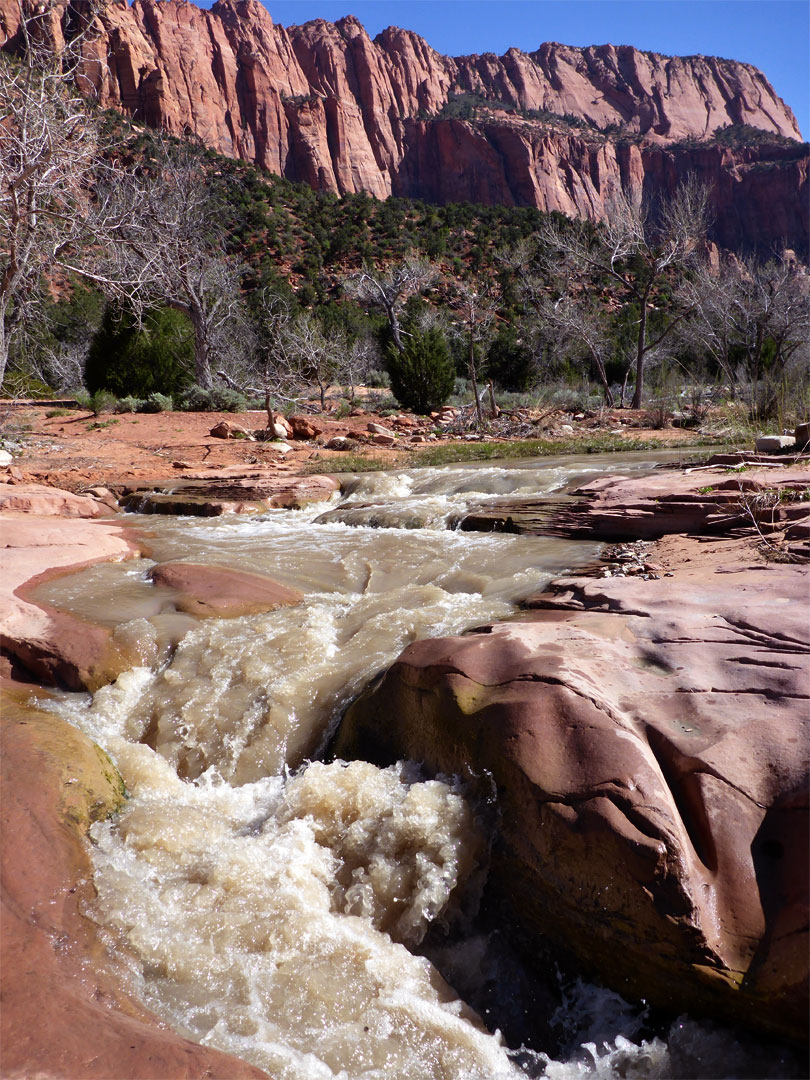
[(563, 127)]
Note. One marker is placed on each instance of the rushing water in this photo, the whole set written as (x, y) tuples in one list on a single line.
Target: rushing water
[(284, 909)]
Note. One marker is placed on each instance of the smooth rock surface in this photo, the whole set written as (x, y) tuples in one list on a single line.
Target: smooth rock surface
[(65, 1013), (220, 592), (55, 646), (49, 502), (649, 744)]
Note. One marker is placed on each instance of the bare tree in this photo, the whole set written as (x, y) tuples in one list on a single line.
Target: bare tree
[(639, 250), (475, 304), (50, 159), (390, 288), (173, 254), (288, 356), (752, 320)]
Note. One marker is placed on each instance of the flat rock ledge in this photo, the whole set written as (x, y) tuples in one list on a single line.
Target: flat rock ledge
[(65, 1014), (649, 743), (53, 646), (220, 592), (232, 492), (708, 501)]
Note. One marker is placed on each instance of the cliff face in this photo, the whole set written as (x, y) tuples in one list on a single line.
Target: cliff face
[(325, 104)]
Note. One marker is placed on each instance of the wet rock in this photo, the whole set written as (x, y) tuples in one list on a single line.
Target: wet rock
[(221, 592), (65, 1013), (650, 758), (54, 646), (233, 494), (188, 504)]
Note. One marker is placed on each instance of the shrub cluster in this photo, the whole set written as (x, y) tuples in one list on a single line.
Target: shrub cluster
[(217, 399)]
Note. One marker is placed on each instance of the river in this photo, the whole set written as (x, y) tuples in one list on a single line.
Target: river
[(307, 915)]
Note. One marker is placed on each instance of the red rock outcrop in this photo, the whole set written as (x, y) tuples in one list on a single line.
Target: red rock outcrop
[(325, 104), (701, 500), (55, 646), (648, 741), (65, 1013)]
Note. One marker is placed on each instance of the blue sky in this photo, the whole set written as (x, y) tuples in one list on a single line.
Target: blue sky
[(774, 35)]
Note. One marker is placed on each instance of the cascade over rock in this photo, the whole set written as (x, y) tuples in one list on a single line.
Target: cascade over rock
[(325, 104)]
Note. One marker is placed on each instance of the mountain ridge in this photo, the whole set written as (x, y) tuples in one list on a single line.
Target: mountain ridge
[(561, 128)]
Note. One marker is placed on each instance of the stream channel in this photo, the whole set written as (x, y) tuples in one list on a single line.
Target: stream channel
[(296, 911)]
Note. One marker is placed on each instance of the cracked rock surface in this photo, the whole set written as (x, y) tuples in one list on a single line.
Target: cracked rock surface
[(649, 743)]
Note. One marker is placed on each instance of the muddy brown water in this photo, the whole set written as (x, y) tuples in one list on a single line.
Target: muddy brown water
[(282, 908)]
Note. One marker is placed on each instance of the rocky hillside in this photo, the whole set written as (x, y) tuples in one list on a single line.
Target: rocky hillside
[(559, 128)]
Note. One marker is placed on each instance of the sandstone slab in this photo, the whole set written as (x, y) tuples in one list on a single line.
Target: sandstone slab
[(237, 492), (52, 645), (649, 745), (619, 508), (221, 592), (51, 502)]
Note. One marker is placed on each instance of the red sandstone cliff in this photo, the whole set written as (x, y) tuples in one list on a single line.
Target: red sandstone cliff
[(325, 104)]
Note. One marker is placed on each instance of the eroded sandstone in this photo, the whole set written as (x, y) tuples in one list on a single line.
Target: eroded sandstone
[(649, 744), (222, 592), (325, 104), (54, 646)]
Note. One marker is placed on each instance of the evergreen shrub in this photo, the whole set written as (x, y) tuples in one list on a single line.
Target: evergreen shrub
[(422, 376), (128, 360)]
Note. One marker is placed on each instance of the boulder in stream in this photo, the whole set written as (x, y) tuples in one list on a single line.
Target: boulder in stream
[(222, 592)]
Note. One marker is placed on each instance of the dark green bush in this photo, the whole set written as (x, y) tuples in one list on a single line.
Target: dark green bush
[(511, 362), (422, 377), (157, 357)]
